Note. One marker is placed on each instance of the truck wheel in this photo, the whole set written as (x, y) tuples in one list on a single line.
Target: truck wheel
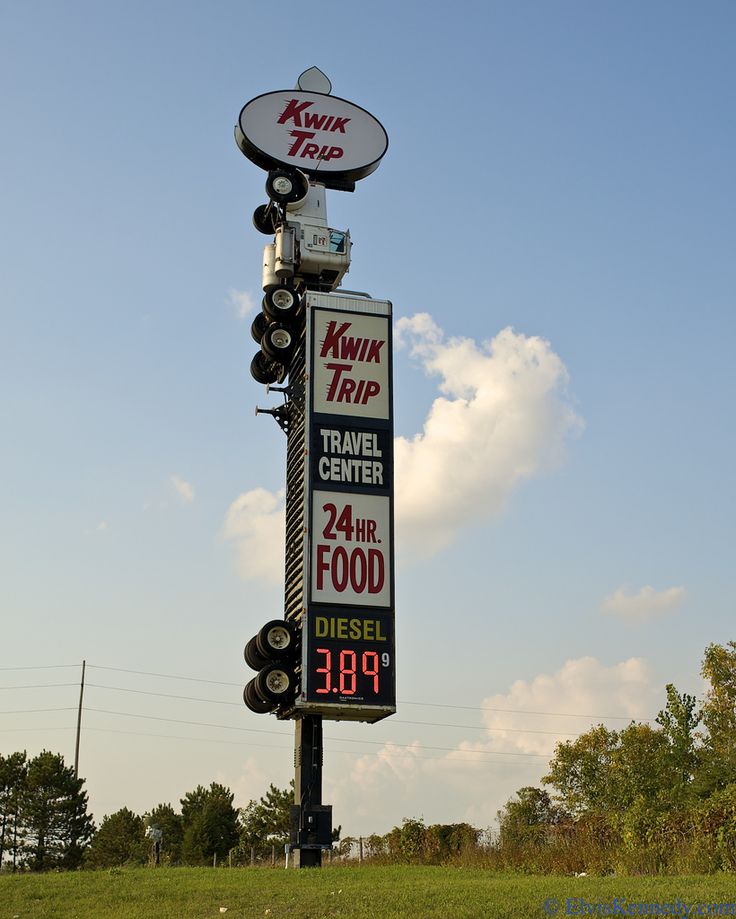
[(275, 683), (264, 219), (278, 343), (265, 371), (254, 702), (287, 186), (258, 327), (253, 658), (276, 639), (281, 303)]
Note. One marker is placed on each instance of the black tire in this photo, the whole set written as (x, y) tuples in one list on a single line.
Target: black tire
[(265, 371), (276, 683), (281, 303), (278, 343), (254, 702), (265, 219), (253, 658), (287, 186), (277, 640), (258, 327)]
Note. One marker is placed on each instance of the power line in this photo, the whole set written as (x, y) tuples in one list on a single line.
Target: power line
[(243, 743), (469, 727), (229, 727), (169, 676), (30, 711), (472, 708), (166, 676), (44, 667)]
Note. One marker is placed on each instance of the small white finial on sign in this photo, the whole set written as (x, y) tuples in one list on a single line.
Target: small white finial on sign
[(314, 81)]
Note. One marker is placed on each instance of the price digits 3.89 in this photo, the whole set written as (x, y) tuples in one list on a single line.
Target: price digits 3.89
[(345, 681)]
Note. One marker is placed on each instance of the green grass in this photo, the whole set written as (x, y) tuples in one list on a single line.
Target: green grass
[(349, 893)]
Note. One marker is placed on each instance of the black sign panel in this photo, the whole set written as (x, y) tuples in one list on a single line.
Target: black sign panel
[(351, 458), (351, 657)]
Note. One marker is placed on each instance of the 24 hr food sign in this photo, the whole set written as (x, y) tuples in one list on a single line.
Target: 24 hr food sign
[(351, 459)]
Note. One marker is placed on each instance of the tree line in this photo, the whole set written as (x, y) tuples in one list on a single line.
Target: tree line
[(647, 798)]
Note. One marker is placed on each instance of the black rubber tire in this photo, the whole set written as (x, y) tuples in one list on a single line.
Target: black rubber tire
[(281, 303), (277, 640), (253, 701), (276, 683), (265, 371), (253, 658), (297, 181), (258, 327), (278, 343), (265, 219)]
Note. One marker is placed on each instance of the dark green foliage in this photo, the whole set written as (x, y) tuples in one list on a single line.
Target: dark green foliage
[(210, 824), (718, 755), (165, 818), (120, 840), (528, 819), (13, 770), (53, 815), (265, 823)]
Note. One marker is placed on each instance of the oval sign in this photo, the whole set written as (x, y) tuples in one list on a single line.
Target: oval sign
[(326, 137)]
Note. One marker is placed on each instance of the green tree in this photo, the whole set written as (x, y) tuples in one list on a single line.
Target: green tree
[(53, 815), (120, 840), (13, 770), (266, 822), (525, 820), (718, 761), (679, 720), (210, 824), (165, 818), (641, 767), (580, 770)]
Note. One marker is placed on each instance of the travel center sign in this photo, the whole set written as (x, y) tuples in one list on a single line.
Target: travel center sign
[(322, 135), (350, 461)]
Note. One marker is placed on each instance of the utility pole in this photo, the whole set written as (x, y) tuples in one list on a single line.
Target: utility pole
[(79, 722)]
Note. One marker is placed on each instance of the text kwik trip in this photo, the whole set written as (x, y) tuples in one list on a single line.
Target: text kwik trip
[(330, 123), (336, 344)]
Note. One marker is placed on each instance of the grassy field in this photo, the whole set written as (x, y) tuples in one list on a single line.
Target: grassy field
[(350, 893)]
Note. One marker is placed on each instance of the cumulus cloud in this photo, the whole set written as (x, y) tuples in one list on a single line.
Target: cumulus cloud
[(646, 604), (503, 415), (255, 523), (184, 489), (519, 731), (243, 302)]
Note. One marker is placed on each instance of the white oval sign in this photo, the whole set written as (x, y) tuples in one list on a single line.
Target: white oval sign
[(322, 135)]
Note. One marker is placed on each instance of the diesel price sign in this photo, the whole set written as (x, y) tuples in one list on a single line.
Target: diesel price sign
[(348, 668)]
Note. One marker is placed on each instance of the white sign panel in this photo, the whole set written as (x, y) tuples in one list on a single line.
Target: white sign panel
[(312, 131), (351, 549), (351, 364)]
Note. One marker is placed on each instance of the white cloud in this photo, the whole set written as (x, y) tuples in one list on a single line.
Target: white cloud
[(184, 489), (516, 745), (243, 302), (255, 523), (646, 604), (503, 416)]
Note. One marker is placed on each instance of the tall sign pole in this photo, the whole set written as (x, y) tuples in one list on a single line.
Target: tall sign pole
[(329, 352)]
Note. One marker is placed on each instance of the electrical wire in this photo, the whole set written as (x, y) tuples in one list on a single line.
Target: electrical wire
[(229, 727)]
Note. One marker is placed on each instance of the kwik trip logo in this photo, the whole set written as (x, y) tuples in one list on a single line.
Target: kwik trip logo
[(305, 122), (351, 365)]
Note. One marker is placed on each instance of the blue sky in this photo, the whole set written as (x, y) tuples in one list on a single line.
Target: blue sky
[(563, 170)]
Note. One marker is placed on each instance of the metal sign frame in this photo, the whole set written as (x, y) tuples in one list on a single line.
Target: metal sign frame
[(356, 626)]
